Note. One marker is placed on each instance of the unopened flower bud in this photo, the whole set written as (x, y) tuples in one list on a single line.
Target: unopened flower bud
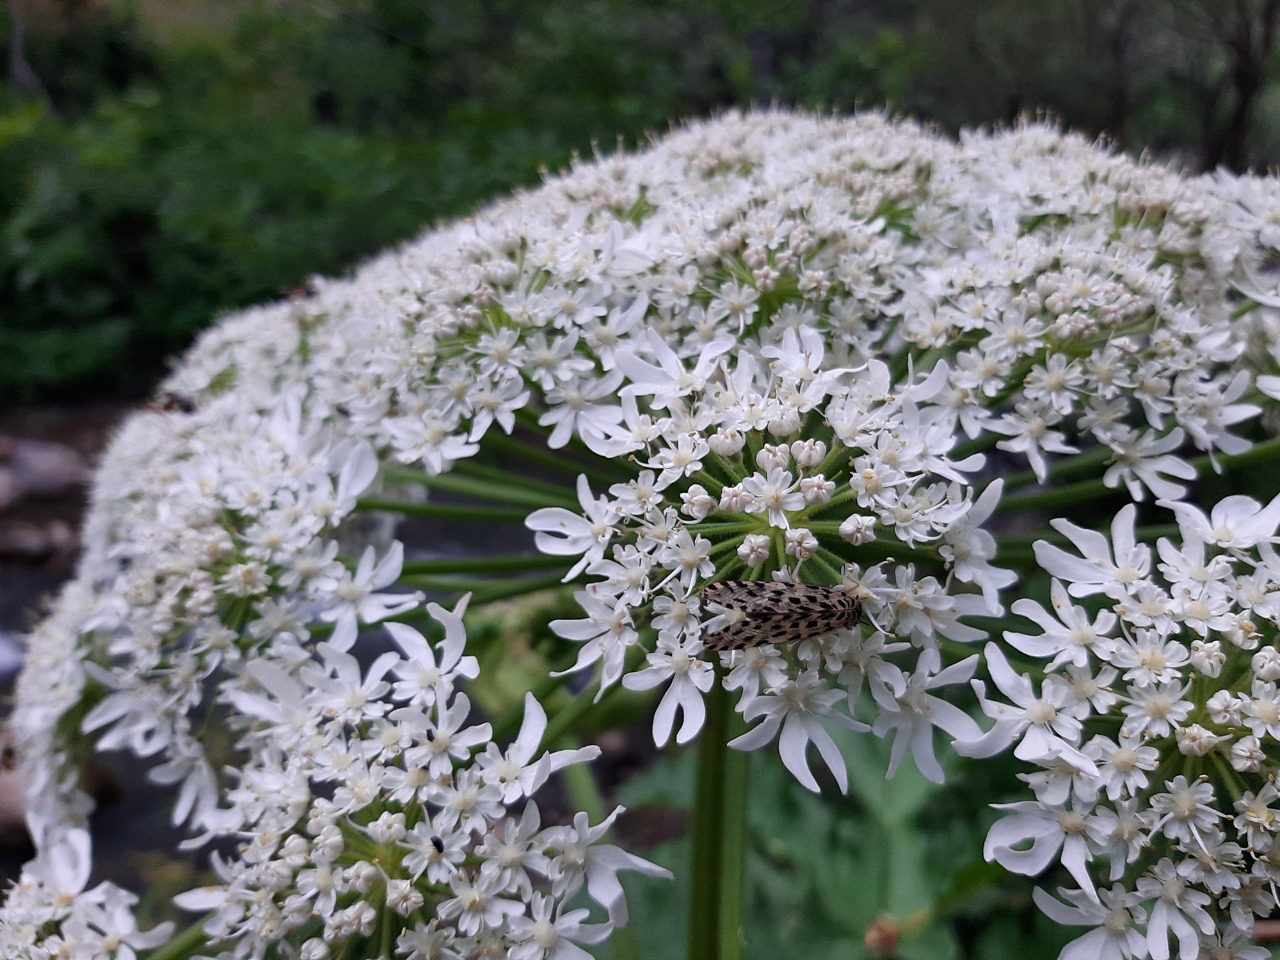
[(817, 490), (801, 543), (1224, 709), (808, 453), (858, 529), (1207, 657), (403, 897), (1247, 755), (1266, 664), (735, 500), (773, 457), (726, 443), (362, 876), (1195, 741), (754, 549), (697, 502), (787, 423), (388, 828)]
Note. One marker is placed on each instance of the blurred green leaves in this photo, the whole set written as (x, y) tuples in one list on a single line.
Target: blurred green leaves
[(902, 856), (159, 171)]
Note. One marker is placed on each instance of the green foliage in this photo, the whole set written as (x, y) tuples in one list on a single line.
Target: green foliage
[(147, 185), (823, 869)]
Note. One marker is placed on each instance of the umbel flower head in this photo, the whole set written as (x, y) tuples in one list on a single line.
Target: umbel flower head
[(1153, 732), (778, 354)]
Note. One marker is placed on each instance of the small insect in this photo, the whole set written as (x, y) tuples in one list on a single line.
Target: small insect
[(171, 402), (759, 612)]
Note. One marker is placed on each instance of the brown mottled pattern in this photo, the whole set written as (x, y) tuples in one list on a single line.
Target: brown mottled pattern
[(770, 612)]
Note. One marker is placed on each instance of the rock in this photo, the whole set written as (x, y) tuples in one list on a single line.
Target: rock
[(38, 468)]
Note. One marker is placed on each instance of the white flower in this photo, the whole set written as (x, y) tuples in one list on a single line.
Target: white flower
[(1114, 915), (689, 680), (1094, 571), (919, 711), (792, 712), (563, 533)]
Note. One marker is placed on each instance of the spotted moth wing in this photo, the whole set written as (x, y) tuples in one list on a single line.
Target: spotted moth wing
[(766, 611)]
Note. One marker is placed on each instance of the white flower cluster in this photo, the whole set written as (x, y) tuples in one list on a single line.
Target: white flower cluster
[(406, 833), (1155, 731), (773, 347), (784, 468), (370, 812)]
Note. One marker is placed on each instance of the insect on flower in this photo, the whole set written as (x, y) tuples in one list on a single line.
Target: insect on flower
[(757, 612)]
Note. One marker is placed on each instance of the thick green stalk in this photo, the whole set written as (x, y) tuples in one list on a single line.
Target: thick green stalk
[(719, 835)]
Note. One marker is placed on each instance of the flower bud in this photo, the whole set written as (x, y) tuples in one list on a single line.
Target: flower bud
[(1247, 755), (735, 500), (1195, 741), (697, 502), (808, 453), (1266, 664), (754, 549), (773, 457), (1207, 657), (1224, 709), (726, 443), (801, 543), (817, 490), (787, 423), (858, 529)]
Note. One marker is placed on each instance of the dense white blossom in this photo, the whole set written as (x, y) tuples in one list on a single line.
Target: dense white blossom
[(771, 348)]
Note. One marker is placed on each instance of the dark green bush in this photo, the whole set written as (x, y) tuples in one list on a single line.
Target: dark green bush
[(147, 186)]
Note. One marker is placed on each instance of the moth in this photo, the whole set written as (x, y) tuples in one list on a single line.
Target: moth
[(766, 611)]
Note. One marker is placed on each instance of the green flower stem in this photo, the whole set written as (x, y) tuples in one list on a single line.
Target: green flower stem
[(713, 483), (447, 511), (839, 500), (1261, 453), (509, 722), (483, 591), (1268, 451), (884, 549), (511, 564), (187, 943), (511, 491), (1085, 462), (719, 833), (1058, 497), (527, 453), (566, 719), (829, 563), (554, 491), (715, 529), (838, 458), (733, 849)]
